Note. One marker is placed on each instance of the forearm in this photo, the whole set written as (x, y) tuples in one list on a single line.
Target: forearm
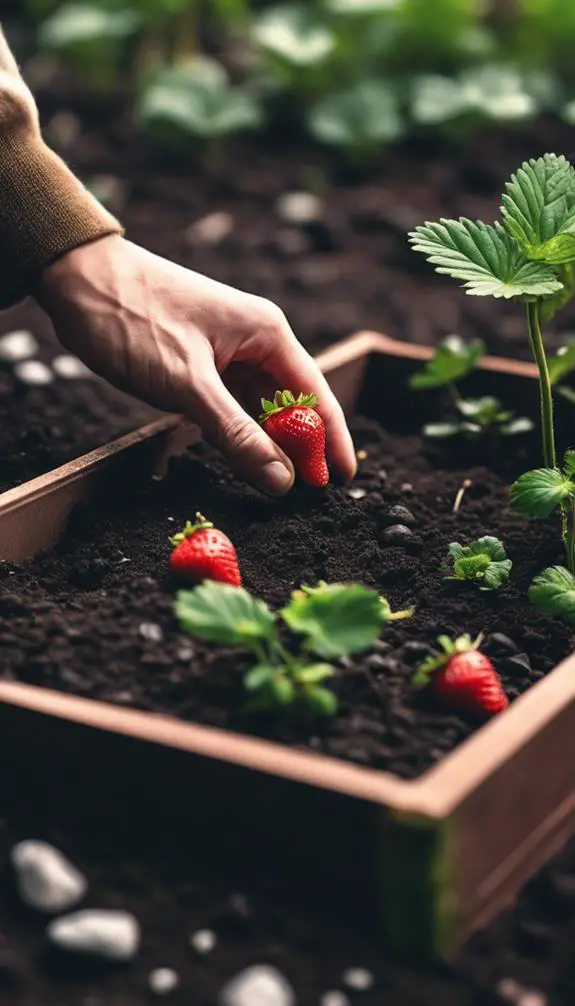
[(44, 210)]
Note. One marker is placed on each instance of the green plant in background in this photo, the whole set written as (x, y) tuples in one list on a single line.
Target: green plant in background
[(91, 38), (528, 255), (359, 122), (452, 361), (329, 621), (483, 562)]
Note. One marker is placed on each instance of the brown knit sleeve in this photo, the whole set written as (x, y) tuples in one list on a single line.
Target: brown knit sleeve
[(44, 210)]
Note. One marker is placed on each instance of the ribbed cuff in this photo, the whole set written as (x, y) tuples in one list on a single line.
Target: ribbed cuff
[(44, 210)]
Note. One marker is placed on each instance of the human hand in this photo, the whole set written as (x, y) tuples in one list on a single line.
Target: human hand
[(185, 343)]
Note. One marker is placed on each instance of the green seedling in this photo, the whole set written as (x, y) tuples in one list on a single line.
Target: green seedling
[(483, 562)]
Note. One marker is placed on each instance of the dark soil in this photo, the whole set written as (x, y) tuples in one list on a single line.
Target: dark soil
[(151, 872), (95, 617), (43, 427)]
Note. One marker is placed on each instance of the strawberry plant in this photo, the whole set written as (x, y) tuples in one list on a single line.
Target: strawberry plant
[(452, 361), (484, 562), (327, 622), (298, 429), (463, 677), (528, 255)]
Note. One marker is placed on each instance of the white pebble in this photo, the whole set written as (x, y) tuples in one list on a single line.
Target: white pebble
[(152, 632), (45, 879), (70, 367), (33, 372), (359, 979), (185, 653), (114, 935), (356, 493), (210, 229), (162, 981), (334, 998), (17, 346), (260, 985), (299, 207), (406, 487), (203, 941)]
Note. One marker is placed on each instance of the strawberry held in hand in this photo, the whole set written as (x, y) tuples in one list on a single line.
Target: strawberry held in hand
[(202, 552), (298, 429), (463, 677)]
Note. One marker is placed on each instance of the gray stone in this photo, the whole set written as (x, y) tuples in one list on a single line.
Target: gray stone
[(358, 979), (399, 514), (45, 879), (162, 981), (299, 207), (334, 998), (114, 935), (260, 985), (18, 345), (356, 493), (203, 941), (33, 372), (70, 367), (397, 534), (210, 229), (151, 632)]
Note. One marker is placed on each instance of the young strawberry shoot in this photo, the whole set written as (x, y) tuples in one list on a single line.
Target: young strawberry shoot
[(452, 361), (483, 562), (327, 622), (528, 255)]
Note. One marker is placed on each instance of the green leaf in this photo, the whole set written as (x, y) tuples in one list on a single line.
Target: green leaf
[(553, 593), (294, 34), (259, 676), (539, 492), (496, 92), (79, 24), (484, 559), (517, 426), (569, 462), (485, 257), (484, 410), (361, 119), (453, 359), (440, 431), (220, 613), (436, 100), (539, 209), (496, 575), (563, 362), (312, 674), (567, 393), (197, 101), (360, 8), (282, 690), (336, 619), (321, 701)]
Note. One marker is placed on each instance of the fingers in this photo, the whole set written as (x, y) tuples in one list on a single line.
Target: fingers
[(251, 453), (292, 367)]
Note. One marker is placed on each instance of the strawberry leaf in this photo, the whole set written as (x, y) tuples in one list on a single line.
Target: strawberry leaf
[(312, 674), (553, 593), (485, 257), (539, 209), (484, 560), (220, 613), (453, 359), (321, 701), (563, 362), (335, 619), (259, 676), (539, 492)]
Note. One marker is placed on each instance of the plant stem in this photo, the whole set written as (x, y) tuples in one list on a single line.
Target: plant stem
[(545, 393), (569, 524)]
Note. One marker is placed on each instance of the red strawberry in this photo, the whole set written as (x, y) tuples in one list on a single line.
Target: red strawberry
[(298, 429), (463, 677), (202, 552)]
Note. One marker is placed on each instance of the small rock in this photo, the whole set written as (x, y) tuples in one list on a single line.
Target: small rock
[(356, 493), (520, 661), (503, 641), (70, 367), (151, 632), (406, 487), (185, 653), (359, 979), (381, 646), (400, 515), (334, 998), (162, 981), (260, 985), (299, 207), (114, 935), (377, 662), (34, 372), (382, 475), (414, 650), (16, 346), (210, 229), (45, 879), (203, 941), (397, 534), (291, 242), (361, 455)]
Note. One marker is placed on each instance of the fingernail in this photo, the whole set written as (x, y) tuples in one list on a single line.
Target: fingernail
[(276, 478)]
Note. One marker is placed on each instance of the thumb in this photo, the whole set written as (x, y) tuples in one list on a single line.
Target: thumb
[(249, 450)]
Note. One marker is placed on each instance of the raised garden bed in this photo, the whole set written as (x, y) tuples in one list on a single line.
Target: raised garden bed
[(450, 845)]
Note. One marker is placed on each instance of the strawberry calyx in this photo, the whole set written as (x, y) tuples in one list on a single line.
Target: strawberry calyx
[(201, 525), (439, 658), (285, 400)]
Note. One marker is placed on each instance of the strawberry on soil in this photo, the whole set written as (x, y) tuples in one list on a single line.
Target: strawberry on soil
[(202, 552)]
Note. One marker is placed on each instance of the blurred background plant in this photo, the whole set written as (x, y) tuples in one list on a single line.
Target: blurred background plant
[(351, 75)]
